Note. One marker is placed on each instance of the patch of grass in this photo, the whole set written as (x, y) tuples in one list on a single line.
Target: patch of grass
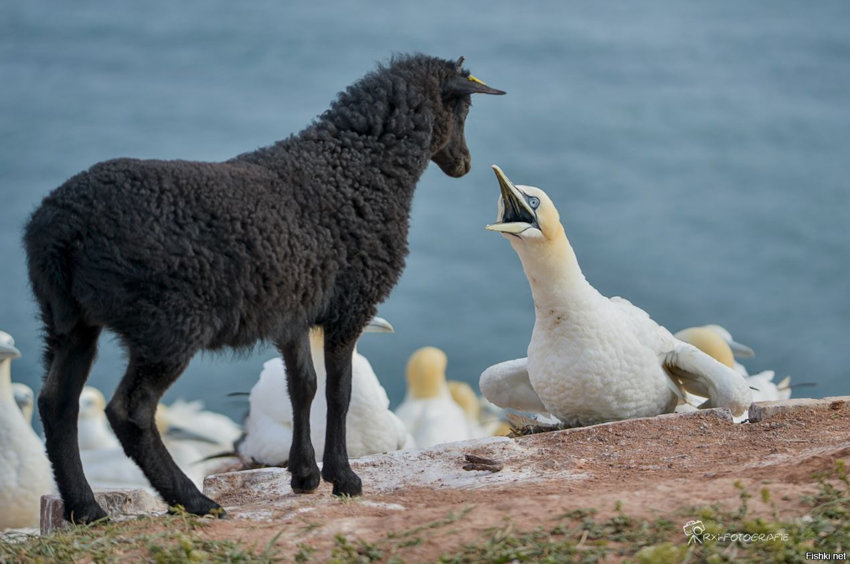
[(304, 553), (506, 544), (346, 498), (359, 553), (311, 525), (724, 535), (174, 538), (447, 520), (580, 539)]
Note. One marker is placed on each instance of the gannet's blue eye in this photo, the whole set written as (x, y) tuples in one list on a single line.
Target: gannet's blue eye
[(533, 202)]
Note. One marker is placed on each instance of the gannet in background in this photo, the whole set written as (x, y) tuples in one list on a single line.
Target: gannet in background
[(24, 399), (591, 358), (484, 420), (428, 410), (24, 469), (494, 418), (104, 462), (196, 438), (189, 421), (463, 395), (107, 466), (94, 431), (370, 426), (716, 341)]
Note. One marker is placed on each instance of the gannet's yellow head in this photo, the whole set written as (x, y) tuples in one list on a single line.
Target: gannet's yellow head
[(426, 373), (465, 397), (525, 212), (7, 347), (716, 342), (92, 403), (24, 399), (739, 350), (708, 342)]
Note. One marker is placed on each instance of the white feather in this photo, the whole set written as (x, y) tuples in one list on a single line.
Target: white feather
[(24, 469), (370, 426)]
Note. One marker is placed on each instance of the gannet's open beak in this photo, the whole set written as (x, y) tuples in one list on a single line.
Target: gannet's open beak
[(378, 325), (515, 214), (8, 350)]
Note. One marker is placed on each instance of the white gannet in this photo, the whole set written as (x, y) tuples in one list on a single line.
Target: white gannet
[(463, 395), (483, 417), (716, 341), (370, 426), (591, 358), (24, 399), (196, 438), (494, 419), (94, 431), (187, 431), (428, 410), (104, 462), (189, 421), (24, 469)]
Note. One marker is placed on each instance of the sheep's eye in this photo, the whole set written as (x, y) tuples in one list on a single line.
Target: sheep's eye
[(533, 201)]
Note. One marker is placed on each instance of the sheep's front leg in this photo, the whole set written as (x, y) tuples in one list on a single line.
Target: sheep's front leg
[(131, 415), (301, 384), (335, 467)]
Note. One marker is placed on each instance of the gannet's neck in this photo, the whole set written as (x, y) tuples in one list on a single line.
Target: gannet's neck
[(10, 415), (317, 351), (553, 272), (6, 377)]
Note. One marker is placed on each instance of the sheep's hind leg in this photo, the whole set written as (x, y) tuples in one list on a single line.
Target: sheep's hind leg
[(335, 466), (301, 384), (70, 357), (131, 414)]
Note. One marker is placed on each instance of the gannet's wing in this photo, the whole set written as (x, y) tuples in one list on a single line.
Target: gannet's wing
[(701, 375), (507, 385)]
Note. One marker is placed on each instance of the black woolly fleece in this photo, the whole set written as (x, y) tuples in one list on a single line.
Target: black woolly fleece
[(177, 256)]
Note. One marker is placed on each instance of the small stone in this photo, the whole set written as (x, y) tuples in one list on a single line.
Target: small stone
[(761, 411), (474, 462)]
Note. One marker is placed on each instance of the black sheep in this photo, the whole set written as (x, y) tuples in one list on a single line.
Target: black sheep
[(180, 256)]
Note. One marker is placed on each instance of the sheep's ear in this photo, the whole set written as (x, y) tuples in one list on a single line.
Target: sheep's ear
[(462, 85)]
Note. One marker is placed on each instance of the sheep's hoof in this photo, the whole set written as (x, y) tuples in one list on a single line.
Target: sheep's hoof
[(307, 482), (347, 483), (201, 506), (85, 514)]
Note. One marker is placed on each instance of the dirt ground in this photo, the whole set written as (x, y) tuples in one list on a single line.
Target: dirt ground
[(647, 467)]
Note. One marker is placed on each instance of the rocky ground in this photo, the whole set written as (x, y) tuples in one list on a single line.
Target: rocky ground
[(419, 505)]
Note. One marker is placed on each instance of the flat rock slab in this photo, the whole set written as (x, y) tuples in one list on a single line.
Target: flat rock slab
[(117, 503), (765, 410), (467, 465)]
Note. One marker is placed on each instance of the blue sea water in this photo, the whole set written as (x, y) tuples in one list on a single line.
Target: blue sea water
[(699, 154)]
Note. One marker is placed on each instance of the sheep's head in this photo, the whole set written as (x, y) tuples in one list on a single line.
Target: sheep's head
[(448, 146)]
